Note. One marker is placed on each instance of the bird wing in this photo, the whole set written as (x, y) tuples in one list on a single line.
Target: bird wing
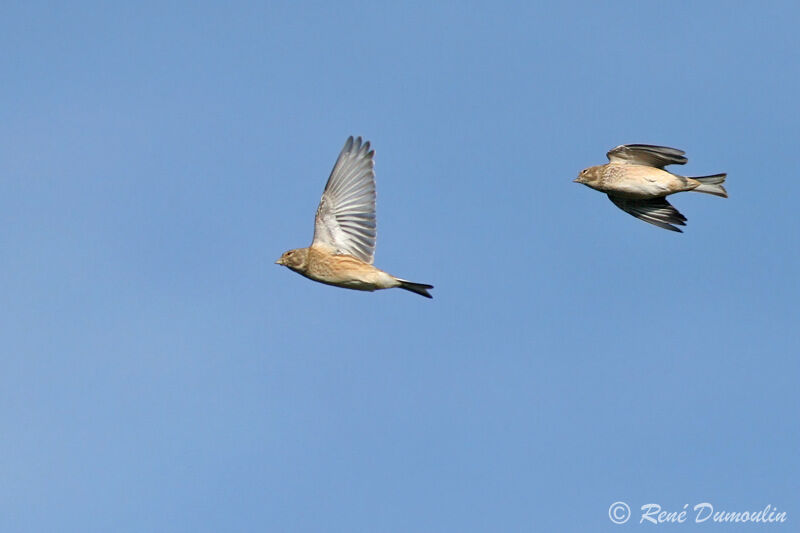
[(345, 218), (646, 154), (656, 211)]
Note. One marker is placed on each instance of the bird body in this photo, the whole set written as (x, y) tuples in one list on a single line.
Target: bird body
[(638, 181), (343, 247), (635, 181), (340, 270)]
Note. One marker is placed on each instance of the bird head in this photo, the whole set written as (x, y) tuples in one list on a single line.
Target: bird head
[(294, 259), (587, 176)]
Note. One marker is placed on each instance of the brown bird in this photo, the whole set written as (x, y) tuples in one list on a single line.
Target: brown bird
[(635, 180), (343, 247)]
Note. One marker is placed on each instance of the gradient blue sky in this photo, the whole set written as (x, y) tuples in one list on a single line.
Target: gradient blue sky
[(160, 373)]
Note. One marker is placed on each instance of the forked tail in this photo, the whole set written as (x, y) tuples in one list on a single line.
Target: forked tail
[(712, 185), (419, 288)]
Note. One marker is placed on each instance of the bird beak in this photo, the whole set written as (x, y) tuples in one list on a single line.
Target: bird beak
[(279, 261), (576, 180)]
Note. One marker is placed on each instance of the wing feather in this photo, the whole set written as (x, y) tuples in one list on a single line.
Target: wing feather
[(656, 211), (647, 154), (345, 220)]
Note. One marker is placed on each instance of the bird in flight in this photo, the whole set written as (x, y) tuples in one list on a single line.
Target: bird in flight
[(636, 182), (343, 247)]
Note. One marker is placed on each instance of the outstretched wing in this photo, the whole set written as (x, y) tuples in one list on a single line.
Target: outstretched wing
[(646, 154), (345, 220), (656, 211)]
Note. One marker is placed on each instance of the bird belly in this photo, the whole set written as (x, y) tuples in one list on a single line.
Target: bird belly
[(355, 284), (643, 187), (348, 272)]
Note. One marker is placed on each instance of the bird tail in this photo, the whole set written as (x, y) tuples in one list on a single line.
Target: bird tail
[(712, 185), (419, 288)]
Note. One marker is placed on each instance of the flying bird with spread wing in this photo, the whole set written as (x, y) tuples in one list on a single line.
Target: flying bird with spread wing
[(343, 247), (636, 182)]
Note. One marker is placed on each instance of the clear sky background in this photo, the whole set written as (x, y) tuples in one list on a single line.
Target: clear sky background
[(159, 373)]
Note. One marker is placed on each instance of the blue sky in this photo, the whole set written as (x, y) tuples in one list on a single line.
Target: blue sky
[(160, 373)]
